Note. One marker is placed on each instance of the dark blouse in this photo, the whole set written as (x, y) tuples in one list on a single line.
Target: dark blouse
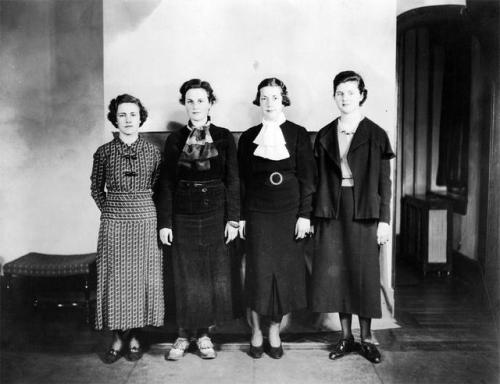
[(119, 167), (223, 167), (299, 173)]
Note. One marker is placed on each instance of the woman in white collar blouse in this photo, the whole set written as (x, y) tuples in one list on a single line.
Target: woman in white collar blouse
[(277, 174), (352, 216)]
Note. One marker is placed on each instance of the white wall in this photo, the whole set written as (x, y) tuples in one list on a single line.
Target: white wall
[(151, 47), (407, 5)]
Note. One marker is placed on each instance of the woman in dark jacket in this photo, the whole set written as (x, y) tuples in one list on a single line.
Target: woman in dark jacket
[(352, 216), (277, 173), (198, 207)]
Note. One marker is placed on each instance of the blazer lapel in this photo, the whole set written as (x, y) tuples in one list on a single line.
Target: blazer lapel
[(286, 136), (253, 146), (330, 143), (361, 136)]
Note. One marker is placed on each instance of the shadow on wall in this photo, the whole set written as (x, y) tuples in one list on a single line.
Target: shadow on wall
[(52, 93), (132, 14)]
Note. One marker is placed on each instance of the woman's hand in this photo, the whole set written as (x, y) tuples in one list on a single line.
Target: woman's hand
[(230, 232), (166, 236), (302, 227), (383, 233), (241, 229)]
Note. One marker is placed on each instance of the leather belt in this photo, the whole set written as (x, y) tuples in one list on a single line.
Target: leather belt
[(273, 178)]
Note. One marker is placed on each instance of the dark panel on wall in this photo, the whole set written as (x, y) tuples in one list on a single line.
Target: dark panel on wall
[(408, 111), (422, 110)]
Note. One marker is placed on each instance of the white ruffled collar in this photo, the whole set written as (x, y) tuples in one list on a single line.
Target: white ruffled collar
[(270, 141)]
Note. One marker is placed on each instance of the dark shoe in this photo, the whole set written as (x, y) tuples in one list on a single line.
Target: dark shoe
[(111, 356), (256, 352), (370, 352), (134, 353), (343, 347), (276, 353)]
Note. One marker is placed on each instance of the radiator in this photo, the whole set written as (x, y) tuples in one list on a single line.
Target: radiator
[(426, 232)]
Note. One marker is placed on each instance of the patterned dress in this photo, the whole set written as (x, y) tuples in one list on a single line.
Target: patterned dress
[(129, 256)]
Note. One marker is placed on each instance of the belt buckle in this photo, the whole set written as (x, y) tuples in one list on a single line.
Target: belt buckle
[(280, 178)]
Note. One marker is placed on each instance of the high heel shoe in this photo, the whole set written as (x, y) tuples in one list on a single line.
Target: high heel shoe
[(276, 352), (256, 352)]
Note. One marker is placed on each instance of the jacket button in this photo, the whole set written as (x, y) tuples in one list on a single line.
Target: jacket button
[(204, 190)]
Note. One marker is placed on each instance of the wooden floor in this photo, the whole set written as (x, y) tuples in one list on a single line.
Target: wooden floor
[(442, 324), (441, 313)]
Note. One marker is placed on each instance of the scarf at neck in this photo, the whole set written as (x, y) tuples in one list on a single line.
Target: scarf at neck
[(270, 141), (199, 148)]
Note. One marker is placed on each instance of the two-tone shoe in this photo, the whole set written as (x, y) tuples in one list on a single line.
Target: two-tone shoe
[(178, 349), (206, 348)]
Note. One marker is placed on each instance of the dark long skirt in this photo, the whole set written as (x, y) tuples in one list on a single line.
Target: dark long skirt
[(201, 262), (346, 270), (275, 269)]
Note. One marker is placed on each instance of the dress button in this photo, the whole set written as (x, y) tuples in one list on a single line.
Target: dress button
[(204, 190), (205, 202)]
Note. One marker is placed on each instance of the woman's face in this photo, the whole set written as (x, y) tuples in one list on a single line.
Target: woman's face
[(271, 102), (128, 118), (347, 97), (197, 105)]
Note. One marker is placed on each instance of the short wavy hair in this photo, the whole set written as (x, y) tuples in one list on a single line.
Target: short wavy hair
[(125, 98), (194, 84), (273, 82), (344, 77)]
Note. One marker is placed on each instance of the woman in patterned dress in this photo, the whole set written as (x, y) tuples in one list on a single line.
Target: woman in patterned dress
[(277, 172), (198, 214), (129, 257)]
